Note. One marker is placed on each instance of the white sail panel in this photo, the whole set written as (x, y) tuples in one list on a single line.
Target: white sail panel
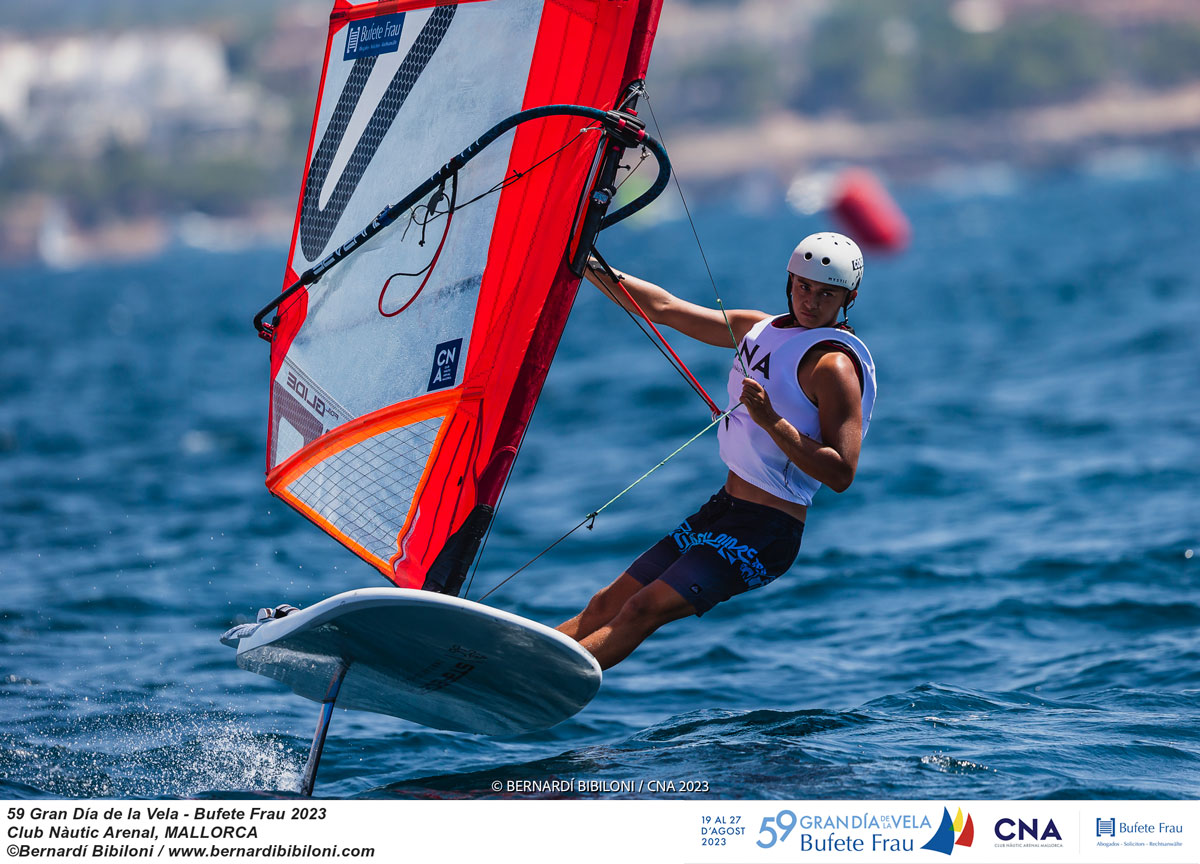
[(443, 109)]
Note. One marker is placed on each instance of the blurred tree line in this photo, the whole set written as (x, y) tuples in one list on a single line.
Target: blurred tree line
[(125, 182), (880, 59)]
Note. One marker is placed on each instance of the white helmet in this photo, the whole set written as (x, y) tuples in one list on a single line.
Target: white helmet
[(828, 257)]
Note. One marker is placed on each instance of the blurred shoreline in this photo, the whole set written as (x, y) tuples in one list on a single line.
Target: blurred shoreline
[(1118, 132), (910, 151), (187, 129)]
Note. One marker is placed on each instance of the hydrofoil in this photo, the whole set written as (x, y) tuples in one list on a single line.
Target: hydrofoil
[(434, 659)]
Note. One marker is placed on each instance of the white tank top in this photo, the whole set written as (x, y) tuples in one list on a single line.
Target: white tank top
[(772, 355)]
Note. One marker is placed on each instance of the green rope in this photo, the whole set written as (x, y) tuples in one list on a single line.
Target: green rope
[(592, 516), (590, 519)]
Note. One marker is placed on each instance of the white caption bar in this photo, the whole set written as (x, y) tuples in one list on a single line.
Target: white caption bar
[(702, 832)]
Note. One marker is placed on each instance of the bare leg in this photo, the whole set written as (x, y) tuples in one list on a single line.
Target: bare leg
[(643, 613), (602, 608)]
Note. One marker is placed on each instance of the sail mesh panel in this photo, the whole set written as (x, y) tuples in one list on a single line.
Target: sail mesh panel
[(366, 490)]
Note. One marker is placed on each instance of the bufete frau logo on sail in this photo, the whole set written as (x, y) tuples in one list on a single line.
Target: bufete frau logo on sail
[(951, 833)]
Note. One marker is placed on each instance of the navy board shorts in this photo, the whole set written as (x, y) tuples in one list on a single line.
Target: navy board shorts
[(727, 547)]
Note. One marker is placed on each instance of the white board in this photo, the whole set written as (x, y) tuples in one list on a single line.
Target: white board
[(436, 660)]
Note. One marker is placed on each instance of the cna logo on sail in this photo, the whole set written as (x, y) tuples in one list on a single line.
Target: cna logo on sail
[(951, 833)]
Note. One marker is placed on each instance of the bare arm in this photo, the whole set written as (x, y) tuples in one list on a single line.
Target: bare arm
[(839, 406), (662, 307)]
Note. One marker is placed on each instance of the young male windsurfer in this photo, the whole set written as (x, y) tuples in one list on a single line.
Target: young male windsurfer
[(806, 387)]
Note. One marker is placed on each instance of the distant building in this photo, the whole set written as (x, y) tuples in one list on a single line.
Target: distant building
[(155, 90)]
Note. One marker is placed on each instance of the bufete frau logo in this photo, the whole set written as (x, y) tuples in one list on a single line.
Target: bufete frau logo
[(951, 833)]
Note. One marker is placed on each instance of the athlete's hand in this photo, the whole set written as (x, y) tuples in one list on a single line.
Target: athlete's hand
[(758, 403)]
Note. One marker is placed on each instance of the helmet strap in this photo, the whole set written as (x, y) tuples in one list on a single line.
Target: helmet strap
[(845, 322)]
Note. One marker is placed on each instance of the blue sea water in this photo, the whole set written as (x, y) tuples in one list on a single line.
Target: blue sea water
[(1004, 604)]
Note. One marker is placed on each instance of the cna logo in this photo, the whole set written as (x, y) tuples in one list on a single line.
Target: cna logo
[(951, 833), (1009, 830)]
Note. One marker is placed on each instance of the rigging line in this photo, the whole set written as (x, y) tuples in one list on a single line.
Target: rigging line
[(687, 373), (648, 335), (590, 519), (517, 175), (679, 187), (431, 212), (531, 560), (645, 156), (430, 209), (499, 499), (720, 416), (636, 89), (432, 215), (432, 261)]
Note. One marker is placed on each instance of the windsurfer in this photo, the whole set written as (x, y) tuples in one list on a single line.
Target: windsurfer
[(806, 386)]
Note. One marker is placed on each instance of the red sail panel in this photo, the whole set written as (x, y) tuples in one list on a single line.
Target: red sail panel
[(643, 39), (579, 59)]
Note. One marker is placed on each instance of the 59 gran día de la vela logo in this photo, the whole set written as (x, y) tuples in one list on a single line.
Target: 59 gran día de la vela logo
[(951, 833)]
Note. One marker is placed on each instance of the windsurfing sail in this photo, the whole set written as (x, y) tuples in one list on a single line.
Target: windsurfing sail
[(403, 380)]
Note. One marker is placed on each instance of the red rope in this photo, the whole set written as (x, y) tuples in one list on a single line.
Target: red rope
[(424, 282), (682, 366)]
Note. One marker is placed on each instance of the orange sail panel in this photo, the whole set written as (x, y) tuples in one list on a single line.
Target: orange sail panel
[(403, 381)]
